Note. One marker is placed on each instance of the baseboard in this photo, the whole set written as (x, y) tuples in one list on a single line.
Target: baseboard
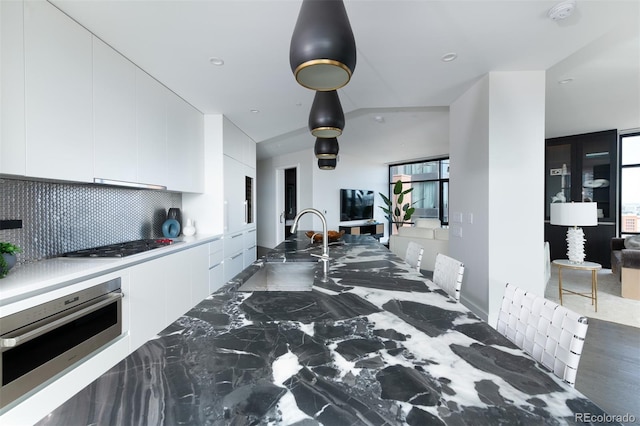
[(474, 308)]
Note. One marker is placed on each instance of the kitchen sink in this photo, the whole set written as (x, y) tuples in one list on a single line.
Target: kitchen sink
[(283, 276)]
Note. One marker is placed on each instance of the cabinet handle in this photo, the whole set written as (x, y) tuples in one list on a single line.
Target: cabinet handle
[(236, 256)]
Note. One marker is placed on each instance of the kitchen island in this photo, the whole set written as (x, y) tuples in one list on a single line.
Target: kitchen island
[(374, 344)]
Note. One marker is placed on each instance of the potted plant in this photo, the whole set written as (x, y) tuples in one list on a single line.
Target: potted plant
[(8, 258), (395, 210)]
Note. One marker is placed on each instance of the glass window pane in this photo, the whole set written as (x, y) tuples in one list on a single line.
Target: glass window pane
[(630, 150), (445, 203), (630, 199), (444, 169), (426, 199), (558, 175)]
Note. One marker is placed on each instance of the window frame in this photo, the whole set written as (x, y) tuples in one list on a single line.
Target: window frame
[(621, 167), (440, 182)]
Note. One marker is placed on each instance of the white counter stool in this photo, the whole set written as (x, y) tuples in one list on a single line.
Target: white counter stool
[(552, 334), (447, 275), (414, 255)]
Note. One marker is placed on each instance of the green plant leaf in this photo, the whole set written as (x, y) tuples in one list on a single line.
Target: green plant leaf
[(400, 199), (386, 200), (397, 188)]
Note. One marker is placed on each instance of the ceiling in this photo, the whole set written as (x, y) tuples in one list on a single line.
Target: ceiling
[(398, 97)]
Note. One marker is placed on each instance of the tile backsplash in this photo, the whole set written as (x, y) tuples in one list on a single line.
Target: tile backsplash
[(61, 217)]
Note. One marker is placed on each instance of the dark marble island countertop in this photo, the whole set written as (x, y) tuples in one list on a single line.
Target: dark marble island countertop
[(375, 344)]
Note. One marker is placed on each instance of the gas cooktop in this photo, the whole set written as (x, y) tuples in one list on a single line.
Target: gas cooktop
[(121, 249)]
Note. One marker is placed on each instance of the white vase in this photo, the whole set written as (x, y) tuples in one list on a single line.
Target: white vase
[(190, 228)]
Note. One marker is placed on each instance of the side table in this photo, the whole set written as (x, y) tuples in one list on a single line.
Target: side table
[(585, 266)]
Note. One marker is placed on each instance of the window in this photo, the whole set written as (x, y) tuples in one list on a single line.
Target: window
[(430, 183), (629, 183)]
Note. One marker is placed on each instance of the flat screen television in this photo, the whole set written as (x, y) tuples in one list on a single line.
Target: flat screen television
[(356, 204)]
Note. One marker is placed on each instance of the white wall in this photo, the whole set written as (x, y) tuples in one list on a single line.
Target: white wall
[(350, 173), (469, 193), (270, 206), (496, 184), (317, 188)]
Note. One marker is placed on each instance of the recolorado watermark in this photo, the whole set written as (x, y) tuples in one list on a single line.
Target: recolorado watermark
[(604, 418)]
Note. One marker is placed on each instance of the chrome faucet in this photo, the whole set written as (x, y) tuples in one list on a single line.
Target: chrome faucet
[(325, 237)]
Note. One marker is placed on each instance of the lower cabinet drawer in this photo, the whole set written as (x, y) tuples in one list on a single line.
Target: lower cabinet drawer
[(216, 277)]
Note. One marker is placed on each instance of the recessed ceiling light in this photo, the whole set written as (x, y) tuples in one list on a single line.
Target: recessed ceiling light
[(565, 81), (378, 119), (448, 57), (562, 10), (216, 61), (254, 111)]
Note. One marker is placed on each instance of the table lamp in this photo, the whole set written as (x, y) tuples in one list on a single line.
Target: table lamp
[(574, 215)]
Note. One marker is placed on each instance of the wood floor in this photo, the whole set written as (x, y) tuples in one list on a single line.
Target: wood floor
[(609, 370)]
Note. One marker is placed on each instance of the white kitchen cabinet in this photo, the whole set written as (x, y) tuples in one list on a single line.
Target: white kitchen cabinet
[(185, 146), (216, 268), (234, 205), (114, 115), (250, 248), (233, 265), (147, 299), (151, 129), (198, 264), (58, 93), (12, 121), (165, 288)]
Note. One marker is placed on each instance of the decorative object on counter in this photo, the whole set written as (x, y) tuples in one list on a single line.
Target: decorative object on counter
[(174, 213), (574, 215), (171, 228), (317, 236), (190, 228), (327, 163), (8, 258), (395, 211), (326, 148), (326, 118), (322, 53)]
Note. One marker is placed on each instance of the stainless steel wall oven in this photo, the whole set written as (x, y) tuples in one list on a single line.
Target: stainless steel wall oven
[(40, 342)]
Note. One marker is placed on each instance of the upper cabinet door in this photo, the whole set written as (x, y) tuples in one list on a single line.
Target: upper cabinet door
[(12, 137), (185, 146), (114, 114), (58, 90), (151, 128)]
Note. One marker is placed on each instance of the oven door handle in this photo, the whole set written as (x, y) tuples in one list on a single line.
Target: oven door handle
[(12, 342)]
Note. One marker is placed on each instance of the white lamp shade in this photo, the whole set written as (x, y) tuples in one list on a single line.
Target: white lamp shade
[(574, 214)]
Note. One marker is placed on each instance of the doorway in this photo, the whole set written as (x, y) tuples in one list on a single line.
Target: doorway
[(286, 203), (290, 208)]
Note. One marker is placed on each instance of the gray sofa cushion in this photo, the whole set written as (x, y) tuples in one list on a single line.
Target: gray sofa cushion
[(632, 242)]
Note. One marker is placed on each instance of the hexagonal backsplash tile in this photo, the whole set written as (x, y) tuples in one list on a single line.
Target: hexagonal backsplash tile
[(62, 217)]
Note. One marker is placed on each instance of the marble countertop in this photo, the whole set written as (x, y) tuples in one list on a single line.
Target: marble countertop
[(376, 344)]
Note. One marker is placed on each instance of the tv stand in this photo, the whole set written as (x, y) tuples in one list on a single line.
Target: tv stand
[(376, 230)]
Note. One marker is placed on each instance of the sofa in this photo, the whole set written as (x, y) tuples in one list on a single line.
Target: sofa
[(625, 264), (426, 232)]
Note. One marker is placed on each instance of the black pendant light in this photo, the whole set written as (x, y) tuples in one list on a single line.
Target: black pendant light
[(326, 118), (327, 163), (326, 148), (323, 50)]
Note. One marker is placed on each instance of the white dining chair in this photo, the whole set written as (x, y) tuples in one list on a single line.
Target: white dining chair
[(552, 334), (447, 274), (414, 255)]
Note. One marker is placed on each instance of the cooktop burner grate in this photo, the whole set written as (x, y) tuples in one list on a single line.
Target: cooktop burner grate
[(121, 249)]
